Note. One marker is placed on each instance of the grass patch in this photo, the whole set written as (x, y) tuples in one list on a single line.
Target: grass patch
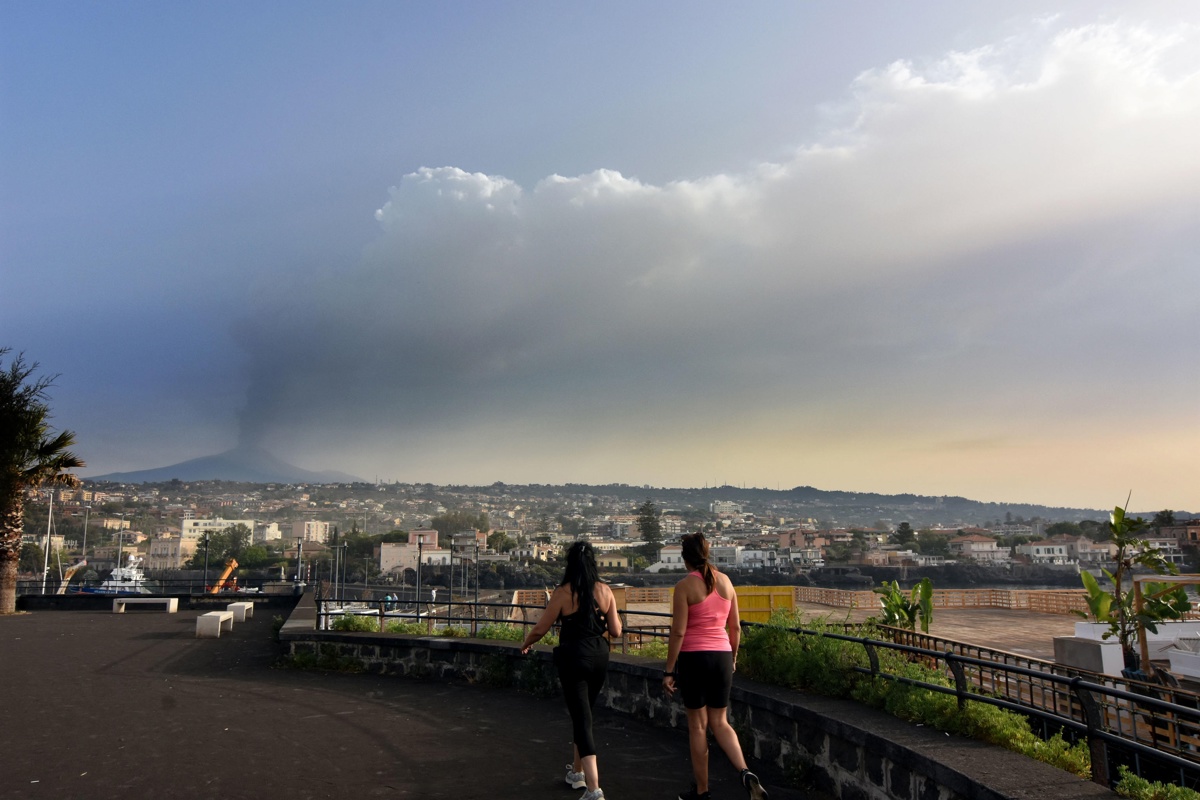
[(817, 663)]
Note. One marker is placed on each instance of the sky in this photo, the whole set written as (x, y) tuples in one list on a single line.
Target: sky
[(939, 248)]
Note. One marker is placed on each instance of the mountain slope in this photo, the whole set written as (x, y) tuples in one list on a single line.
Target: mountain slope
[(241, 464)]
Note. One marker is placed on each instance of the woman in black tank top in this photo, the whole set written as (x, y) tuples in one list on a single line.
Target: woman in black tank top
[(581, 656)]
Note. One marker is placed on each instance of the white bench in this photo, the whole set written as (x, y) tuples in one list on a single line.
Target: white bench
[(209, 625), (171, 603), (241, 610)]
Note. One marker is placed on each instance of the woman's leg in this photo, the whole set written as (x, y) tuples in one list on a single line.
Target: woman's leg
[(591, 772), (698, 744), (726, 737)]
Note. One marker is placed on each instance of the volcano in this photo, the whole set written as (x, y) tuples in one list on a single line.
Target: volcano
[(241, 464)]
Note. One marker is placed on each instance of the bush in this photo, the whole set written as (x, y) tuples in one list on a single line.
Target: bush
[(406, 628), (355, 623), (1131, 785), (814, 662), (654, 648), (501, 631)]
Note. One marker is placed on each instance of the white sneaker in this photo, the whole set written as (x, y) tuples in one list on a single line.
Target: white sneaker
[(598, 794), (575, 780)]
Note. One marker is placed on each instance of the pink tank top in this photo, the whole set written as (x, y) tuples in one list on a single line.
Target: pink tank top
[(706, 623)]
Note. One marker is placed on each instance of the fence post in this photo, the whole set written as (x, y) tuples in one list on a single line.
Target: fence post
[(960, 678), (1096, 746), (872, 656)]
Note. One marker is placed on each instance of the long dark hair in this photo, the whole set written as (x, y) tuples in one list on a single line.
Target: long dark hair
[(581, 575), (695, 554)]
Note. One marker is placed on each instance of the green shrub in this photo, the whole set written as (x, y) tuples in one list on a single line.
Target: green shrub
[(454, 632), (355, 622), (654, 648), (1131, 785), (406, 628), (502, 631), (818, 663)]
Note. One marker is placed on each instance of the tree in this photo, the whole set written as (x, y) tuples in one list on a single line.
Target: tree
[(904, 535), (1118, 607), (501, 542), (31, 456), (1163, 519), (650, 529), (1063, 529)]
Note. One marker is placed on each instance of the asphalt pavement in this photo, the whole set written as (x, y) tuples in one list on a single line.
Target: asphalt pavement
[(103, 706)]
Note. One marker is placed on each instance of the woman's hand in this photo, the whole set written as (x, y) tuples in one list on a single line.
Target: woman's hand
[(669, 684)]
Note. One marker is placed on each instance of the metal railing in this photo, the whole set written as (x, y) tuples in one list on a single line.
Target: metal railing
[(1152, 729)]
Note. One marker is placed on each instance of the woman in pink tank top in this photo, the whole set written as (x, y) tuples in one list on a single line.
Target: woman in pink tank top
[(701, 659)]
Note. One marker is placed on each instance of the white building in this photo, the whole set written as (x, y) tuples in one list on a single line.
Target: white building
[(977, 547), (422, 544), (196, 528), (267, 532), (1045, 552), (169, 552), (311, 530)]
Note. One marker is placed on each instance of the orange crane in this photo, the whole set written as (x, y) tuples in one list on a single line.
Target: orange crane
[(71, 570), (230, 566)]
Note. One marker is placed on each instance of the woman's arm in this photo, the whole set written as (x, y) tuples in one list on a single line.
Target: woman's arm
[(610, 613), (679, 617), (733, 625), (548, 618)]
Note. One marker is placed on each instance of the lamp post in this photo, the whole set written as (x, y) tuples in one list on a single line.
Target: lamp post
[(87, 510), (46, 554), (417, 605), (204, 589), (297, 589)]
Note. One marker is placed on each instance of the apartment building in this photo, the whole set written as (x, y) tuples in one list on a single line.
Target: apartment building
[(196, 528)]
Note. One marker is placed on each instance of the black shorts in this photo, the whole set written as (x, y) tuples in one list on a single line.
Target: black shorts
[(705, 678)]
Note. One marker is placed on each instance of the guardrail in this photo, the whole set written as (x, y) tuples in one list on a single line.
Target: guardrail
[(1151, 728)]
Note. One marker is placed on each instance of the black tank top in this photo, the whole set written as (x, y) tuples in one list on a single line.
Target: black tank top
[(587, 622)]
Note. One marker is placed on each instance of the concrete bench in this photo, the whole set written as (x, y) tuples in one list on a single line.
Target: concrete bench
[(171, 603), (209, 625), (241, 610)]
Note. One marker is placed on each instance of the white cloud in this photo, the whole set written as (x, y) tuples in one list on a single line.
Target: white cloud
[(913, 253)]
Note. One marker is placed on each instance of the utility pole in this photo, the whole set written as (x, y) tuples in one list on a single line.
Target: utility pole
[(417, 605), (87, 510), (204, 589), (46, 565)]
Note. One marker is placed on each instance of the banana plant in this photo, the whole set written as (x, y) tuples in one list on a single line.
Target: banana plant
[(903, 611), (1161, 601)]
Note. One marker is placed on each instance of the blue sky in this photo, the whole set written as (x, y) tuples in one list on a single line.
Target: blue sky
[(938, 249)]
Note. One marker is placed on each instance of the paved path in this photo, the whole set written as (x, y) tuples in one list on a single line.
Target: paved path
[(103, 706)]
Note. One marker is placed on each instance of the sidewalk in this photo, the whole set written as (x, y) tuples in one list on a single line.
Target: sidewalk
[(102, 706)]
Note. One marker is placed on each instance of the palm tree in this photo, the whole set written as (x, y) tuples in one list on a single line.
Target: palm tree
[(31, 456)]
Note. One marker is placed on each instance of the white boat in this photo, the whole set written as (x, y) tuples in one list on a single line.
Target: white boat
[(129, 579)]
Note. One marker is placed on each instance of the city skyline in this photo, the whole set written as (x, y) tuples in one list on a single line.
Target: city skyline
[(932, 250)]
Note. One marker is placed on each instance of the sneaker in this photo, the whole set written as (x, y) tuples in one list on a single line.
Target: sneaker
[(692, 794), (575, 779), (597, 794), (754, 787)]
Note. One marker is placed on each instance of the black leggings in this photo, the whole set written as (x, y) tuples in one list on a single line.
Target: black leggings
[(582, 667)]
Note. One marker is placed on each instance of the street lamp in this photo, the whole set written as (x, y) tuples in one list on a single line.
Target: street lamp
[(204, 589), (296, 590)]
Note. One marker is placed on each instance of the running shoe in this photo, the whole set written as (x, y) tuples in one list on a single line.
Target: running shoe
[(575, 779), (692, 794), (596, 794), (754, 787)]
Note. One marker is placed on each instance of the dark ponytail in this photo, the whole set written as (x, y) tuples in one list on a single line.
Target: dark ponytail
[(581, 574), (695, 554)]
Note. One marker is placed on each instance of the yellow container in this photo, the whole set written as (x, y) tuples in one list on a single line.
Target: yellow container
[(756, 603)]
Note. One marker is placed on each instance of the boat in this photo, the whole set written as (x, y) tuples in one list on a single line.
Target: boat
[(129, 579)]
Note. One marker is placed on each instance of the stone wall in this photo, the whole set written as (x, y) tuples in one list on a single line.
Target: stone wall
[(837, 746)]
